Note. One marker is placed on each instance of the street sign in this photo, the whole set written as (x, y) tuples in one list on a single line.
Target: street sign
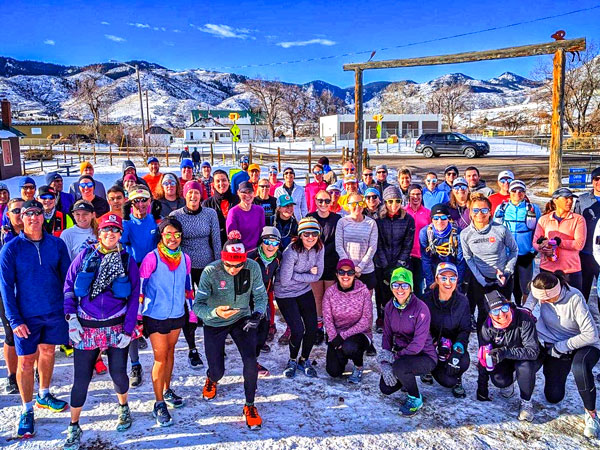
[(234, 116), (378, 117), (235, 133), (577, 177)]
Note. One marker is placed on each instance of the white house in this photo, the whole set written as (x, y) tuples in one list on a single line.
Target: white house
[(158, 136), (214, 126), (402, 125)]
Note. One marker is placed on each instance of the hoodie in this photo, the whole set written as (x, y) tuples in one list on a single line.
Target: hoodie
[(128, 164), (482, 188)]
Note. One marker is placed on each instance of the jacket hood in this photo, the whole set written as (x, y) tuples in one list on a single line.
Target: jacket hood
[(127, 164)]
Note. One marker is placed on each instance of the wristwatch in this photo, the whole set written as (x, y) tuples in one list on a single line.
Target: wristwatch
[(69, 316)]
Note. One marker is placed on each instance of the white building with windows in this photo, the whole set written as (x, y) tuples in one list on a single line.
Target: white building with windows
[(209, 130), (402, 125)]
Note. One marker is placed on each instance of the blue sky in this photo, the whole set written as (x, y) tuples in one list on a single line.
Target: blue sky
[(224, 35)]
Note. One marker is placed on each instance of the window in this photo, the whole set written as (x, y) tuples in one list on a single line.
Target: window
[(191, 135), (36, 131), (7, 158)]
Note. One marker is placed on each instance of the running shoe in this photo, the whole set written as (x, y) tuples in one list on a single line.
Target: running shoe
[(161, 414), (73, 440), (253, 420), (411, 405), (100, 367), (290, 369), (26, 425), (262, 371), (427, 379), (307, 367), (284, 339), (67, 350), (11, 385), (172, 399), (272, 331), (458, 390), (379, 326), (194, 359), (320, 337), (124, 420), (50, 402), (356, 376), (210, 389), (592, 425), (508, 391), (265, 349), (136, 375), (473, 324), (526, 411)]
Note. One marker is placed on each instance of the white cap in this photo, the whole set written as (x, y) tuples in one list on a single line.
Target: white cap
[(506, 174)]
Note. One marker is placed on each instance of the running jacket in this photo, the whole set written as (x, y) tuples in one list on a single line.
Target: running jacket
[(32, 277), (294, 276), (589, 207), (519, 339), (451, 318), (514, 217), (395, 237), (348, 313)]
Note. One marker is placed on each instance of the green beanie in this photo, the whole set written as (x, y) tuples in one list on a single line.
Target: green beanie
[(402, 275)]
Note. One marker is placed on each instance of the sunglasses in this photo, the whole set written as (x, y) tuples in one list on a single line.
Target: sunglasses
[(233, 266), (271, 242), (169, 183), (111, 229), (368, 174), (460, 188), (431, 180), (381, 171), (518, 190), (397, 201), (32, 213), (349, 169), (403, 286), (506, 180), (176, 235), (442, 217), (504, 308), (28, 188), (596, 179), (15, 211), (320, 201), (481, 210), (451, 174), (313, 234), (371, 197), (137, 201), (361, 204), (87, 185), (47, 197), (263, 186), (318, 172), (444, 278), (342, 272), (288, 173)]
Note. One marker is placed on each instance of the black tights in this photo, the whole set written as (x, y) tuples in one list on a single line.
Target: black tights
[(83, 363), (441, 375), (406, 369), (189, 328), (354, 348), (300, 313), (503, 376)]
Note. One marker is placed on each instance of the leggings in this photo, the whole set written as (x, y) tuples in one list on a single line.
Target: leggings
[(417, 269), (214, 346), (592, 270), (382, 290), (354, 348), (476, 294), (441, 375), (523, 276), (574, 279), (189, 328), (406, 369), (503, 375), (300, 313), (262, 332), (556, 370), (83, 363)]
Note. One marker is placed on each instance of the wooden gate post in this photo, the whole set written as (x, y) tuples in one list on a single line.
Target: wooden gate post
[(358, 117), (212, 155), (279, 159), (558, 106), (167, 155)]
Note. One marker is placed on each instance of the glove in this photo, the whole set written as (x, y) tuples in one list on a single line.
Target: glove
[(387, 373), (497, 355), (558, 241), (252, 322), (385, 356), (336, 342), (75, 329), (193, 317), (123, 340)]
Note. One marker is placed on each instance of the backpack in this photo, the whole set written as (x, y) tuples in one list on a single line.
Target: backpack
[(449, 248), (86, 275), (530, 218)]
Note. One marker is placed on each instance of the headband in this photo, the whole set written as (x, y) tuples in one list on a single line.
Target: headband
[(546, 294)]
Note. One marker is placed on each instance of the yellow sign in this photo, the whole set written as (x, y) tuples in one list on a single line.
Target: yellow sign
[(234, 116), (235, 133), (378, 117)]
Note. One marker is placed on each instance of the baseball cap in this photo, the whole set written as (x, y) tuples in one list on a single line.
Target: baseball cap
[(563, 192), (252, 167), (205, 164), (495, 299), (152, 159), (333, 187), (26, 180), (345, 262), (3, 187), (273, 168), (53, 176), (506, 174), (516, 184), (460, 181), (349, 179), (285, 200), (244, 159), (82, 205), (596, 172), (246, 186), (46, 190), (381, 167), (139, 191), (451, 169), (31, 204), (445, 266), (110, 220), (186, 162)]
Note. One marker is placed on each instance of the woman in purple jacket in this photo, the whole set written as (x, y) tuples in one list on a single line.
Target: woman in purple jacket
[(407, 349), (347, 314), (101, 293)]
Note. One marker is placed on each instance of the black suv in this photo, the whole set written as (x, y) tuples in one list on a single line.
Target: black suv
[(435, 144)]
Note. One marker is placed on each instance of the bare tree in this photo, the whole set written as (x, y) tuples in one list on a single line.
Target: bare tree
[(90, 93), (295, 106), (269, 97), (395, 98), (449, 101), (512, 121), (327, 104)]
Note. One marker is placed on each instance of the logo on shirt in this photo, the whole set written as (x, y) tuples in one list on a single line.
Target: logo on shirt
[(492, 239), (222, 284)]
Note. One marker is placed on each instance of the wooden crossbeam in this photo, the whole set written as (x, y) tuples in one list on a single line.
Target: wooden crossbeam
[(572, 45)]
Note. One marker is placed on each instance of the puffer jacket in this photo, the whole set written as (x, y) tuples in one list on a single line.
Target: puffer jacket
[(450, 319), (395, 239), (588, 206), (519, 339)]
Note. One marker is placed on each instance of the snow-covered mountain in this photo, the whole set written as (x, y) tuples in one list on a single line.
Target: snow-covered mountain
[(46, 88)]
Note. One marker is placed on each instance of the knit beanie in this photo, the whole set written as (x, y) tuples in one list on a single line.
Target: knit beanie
[(84, 165), (308, 224), (170, 220), (392, 193), (234, 250), (402, 275), (192, 184)]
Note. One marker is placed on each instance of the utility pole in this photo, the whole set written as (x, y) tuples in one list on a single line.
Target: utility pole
[(137, 72), (147, 110)]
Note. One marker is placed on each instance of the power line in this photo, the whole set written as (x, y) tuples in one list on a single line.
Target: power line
[(428, 41)]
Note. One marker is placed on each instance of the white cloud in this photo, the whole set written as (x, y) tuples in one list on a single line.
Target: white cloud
[(114, 38), (49, 42), (176, 31), (104, 23), (138, 25), (303, 43), (224, 31)]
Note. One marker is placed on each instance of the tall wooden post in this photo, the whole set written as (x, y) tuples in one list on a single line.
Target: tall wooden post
[(279, 159), (110, 155), (309, 159), (167, 155), (358, 115), (558, 106), (212, 155), (250, 153)]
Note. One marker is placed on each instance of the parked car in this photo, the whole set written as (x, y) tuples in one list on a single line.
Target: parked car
[(436, 144)]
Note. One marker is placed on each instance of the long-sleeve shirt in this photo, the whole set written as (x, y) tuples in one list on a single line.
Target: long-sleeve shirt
[(588, 205), (248, 223), (294, 275), (488, 250), (422, 218), (76, 239), (300, 208), (140, 236), (357, 241), (348, 313), (572, 232)]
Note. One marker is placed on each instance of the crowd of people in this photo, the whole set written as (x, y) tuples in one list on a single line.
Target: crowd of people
[(99, 271)]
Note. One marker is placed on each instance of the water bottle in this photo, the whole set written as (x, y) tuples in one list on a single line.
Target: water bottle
[(554, 256)]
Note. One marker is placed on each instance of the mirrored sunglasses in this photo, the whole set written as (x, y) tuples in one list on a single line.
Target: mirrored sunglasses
[(111, 229), (169, 183), (342, 272), (32, 213), (47, 197), (431, 180), (318, 172), (403, 286), (360, 204), (87, 185), (15, 211), (481, 210), (271, 242), (451, 278), (176, 235), (460, 188), (506, 180), (137, 201), (440, 217), (504, 308), (518, 190)]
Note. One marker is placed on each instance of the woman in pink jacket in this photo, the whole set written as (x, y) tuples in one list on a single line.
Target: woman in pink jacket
[(347, 314), (559, 236), (313, 188)]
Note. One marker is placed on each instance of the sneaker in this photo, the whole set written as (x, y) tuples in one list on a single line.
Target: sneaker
[(124, 420), (371, 350), (161, 414), (458, 390), (100, 367), (253, 420), (73, 440), (411, 405), (50, 402), (427, 379), (172, 399), (483, 395), (142, 343), (210, 389), (262, 371), (307, 367), (290, 369), (473, 324), (320, 337), (265, 349), (284, 339), (356, 376), (379, 326), (11, 385), (26, 425), (67, 350), (136, 375), (592, 425), (508, 391), (526, 410), (194, 359), (272, 331)]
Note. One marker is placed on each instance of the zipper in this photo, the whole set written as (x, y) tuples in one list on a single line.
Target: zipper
[(37, 248)]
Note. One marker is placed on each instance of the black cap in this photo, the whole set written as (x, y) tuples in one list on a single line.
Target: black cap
[(495, 300), (563, 192), (440, 208), (451, 168), (46, 190), (596, 172), (246, 186), (82, 205), (31, 204)]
